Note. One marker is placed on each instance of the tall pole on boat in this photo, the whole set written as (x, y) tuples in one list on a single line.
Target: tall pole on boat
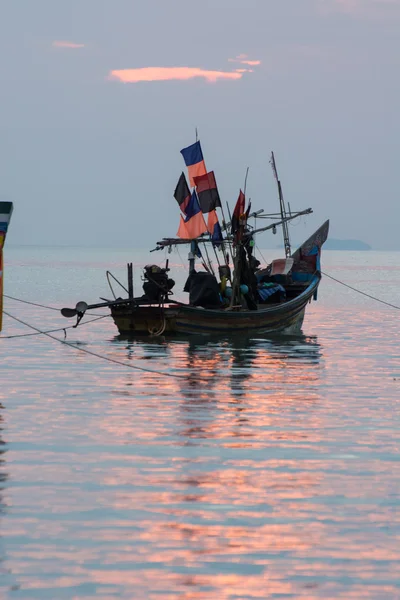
[(285, 228), (130, 281), (216, 253), (191, 256), (208, 258), (245, 181), (224, 224)]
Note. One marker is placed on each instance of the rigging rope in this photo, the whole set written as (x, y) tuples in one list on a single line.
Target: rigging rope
[(108, 275), (183, 264), (360, 292), (111, 360), (259, 251)]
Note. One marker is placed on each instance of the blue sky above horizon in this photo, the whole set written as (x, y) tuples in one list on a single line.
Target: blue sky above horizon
[(98, 98)]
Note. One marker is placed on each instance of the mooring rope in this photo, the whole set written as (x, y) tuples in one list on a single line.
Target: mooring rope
[(154, 333), (360, 292), (20, 335), (91, 353), (41, 305), (32, 303)]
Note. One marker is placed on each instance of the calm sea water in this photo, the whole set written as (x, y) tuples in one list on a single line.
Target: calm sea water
[(270, 470)]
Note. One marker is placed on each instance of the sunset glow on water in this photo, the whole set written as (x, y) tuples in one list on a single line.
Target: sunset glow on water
[(271, 470)]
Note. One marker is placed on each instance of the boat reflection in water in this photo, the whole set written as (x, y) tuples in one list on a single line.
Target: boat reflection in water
[(3, 481), (224, 498), (225, 372), (206, 361)]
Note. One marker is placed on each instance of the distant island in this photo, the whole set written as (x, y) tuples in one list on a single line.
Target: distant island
[(332, 244)]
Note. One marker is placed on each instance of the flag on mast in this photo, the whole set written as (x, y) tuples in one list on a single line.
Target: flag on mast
[(194, 224), (6, 209), (207, 192), (214, 228), (239, 210), (193, 157), (182, 193)]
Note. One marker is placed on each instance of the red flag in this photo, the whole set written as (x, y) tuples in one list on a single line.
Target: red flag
[(212, 221), (239, 210), (207, 192)]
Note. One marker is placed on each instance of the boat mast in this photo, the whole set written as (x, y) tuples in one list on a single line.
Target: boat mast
[(284, 214)]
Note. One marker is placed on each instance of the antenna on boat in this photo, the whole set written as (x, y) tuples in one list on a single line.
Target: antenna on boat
[(245, 181), (284, 215)]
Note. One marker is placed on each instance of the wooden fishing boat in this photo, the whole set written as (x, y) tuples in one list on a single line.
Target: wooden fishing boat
[(178, 318), (245, 299)]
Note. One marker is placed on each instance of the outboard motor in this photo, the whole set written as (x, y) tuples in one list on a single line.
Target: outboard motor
[(156, 284)]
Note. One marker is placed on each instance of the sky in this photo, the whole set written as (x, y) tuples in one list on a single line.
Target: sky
[(99, 96)]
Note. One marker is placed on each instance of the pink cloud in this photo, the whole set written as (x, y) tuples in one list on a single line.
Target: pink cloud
[(243, 60), (358, 7), (169, 74), (64, 44), (251, 63)]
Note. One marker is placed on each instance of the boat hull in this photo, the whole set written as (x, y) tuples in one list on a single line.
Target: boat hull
[(286, 317)]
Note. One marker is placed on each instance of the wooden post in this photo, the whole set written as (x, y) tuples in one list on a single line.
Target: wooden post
[(191, 256), (235, 299), (130, 281)]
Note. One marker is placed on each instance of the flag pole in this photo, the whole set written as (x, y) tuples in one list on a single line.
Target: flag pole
[(216, 255), (245, 181), (230, 220), (221, 207), (208, 259), (215, 250), (223, 219)]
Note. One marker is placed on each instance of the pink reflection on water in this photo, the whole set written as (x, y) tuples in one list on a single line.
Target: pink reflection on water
[(274, 475)]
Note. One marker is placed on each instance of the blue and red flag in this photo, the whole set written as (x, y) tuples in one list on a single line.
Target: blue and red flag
[(194, 224), (214, 228), (207, 191), (193, 157)]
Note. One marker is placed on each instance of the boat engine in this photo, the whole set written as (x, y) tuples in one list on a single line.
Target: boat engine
[(157, 284)]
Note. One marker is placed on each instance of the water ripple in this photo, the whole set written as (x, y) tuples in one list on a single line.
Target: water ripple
[(271, 471)]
